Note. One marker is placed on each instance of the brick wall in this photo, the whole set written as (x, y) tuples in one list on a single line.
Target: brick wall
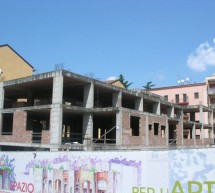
[(45, 137), (159, 139), (188, 142), (199, 142), (208, 141), (129, 140), (154, 140), (179, 136), (19, 129)]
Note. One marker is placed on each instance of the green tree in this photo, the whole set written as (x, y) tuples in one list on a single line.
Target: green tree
[(149, 85), (125, 83)]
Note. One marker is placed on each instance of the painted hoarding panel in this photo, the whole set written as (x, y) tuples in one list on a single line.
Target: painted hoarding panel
[(176, 171)]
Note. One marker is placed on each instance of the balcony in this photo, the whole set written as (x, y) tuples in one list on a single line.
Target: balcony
[(182, 102), (211, 91)]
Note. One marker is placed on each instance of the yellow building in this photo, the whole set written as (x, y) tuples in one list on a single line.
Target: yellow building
[(12, 65), (115, 83)]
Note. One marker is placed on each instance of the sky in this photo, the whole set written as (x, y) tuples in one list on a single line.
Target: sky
[(163, 41)]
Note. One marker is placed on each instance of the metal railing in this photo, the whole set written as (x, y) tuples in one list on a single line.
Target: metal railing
[(36, 137), (172, 142), (104, 136), (211, 91), (6, 133)]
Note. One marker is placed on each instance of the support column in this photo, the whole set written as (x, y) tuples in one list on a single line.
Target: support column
[(119, 127), (87, 129), (167, 133), (170, 112), (56, 112), (139, 104), (1, 105), (89, 95), (202, 135), (117, 99), (201, 114), (147, 130), (181, 115), (212, 125), (157, 108), (194, 133)]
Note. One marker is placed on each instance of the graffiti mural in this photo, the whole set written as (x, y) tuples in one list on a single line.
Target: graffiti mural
[(175, 171), (7, 175)]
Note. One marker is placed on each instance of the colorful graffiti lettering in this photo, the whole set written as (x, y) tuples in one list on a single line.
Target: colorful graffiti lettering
[(22, 186)]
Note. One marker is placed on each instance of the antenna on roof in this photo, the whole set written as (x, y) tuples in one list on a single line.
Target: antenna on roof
[(184, 81), (59, 66)]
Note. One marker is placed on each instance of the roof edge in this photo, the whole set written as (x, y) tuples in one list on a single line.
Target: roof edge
[(179, 86), (3, 45)]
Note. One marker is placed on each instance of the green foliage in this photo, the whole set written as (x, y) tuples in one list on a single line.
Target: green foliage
[(149, 85), (125, 83), (61, 168)]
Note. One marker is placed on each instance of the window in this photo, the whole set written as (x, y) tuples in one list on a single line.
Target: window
[(156, 126), (7, 127), (196, 95), (177, 98), (184, 97), (166, 97), (163, 128), (134, 125)]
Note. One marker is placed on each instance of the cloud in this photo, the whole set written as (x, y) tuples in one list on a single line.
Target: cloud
[(203, 57), (160, 76), (111, 78)]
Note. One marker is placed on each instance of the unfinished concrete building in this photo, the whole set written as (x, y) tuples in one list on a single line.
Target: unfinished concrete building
[(62, 110)]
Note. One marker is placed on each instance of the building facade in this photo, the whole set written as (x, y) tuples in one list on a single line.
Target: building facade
[(63, 110), (12, 65)]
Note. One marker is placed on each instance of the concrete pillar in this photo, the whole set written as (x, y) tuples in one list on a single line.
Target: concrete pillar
[(1, 104), (89, 95), (170, 112), (119, 127), (117, 99), (147, 130), (87, 129), (181, 115), (139, 104), (167, 133), (157, 108), (201, 114), (205, 103), (202, 134), (194, 133), (212, 125), (56, 111)]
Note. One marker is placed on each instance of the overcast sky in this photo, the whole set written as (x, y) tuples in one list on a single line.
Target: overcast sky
[(162, 41)]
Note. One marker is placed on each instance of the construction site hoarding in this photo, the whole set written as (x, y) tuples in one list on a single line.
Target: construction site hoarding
[(162, 171)]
